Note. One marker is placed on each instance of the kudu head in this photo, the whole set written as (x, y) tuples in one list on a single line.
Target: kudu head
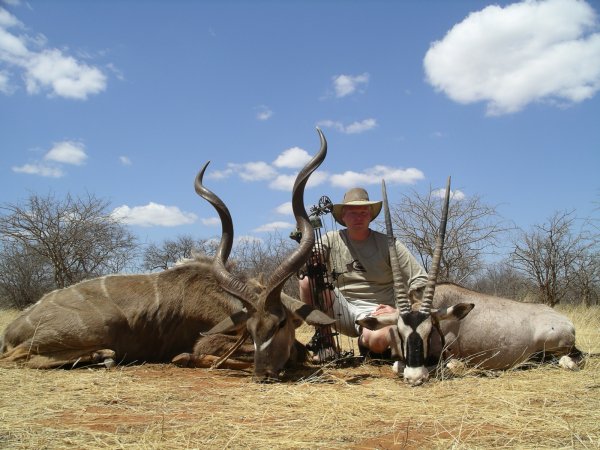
[(269, 315), (416, 327)]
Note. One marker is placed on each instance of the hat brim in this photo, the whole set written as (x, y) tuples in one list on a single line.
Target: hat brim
[(337, 209)]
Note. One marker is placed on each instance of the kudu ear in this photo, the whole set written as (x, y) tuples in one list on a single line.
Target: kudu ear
[(234, 322), (456, 312), (310, 315), (379, 321)]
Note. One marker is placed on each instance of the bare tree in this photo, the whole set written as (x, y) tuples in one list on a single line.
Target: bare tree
[(501, 279), (586, 277), (549, 255), (24, 276), (167, 254), (257, 257), (78, 237), (472, 232), (250, 257)]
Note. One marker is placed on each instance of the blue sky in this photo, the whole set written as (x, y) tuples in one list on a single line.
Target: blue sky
[(128, 99)]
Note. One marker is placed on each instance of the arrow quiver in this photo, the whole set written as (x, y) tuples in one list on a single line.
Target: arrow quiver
[(325, 337)]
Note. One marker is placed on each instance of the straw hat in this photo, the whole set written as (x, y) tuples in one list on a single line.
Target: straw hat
[(356, 197)]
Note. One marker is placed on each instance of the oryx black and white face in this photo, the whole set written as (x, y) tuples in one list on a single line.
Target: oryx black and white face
[(418, 340), (414, 330), (415, 327)]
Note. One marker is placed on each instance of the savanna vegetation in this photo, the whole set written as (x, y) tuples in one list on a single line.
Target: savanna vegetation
[(48, 243)]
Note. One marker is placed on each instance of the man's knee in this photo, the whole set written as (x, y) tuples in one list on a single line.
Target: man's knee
[(377, 341)]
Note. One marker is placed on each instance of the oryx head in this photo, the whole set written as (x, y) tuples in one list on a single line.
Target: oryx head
[(268, 315), (416, 327)]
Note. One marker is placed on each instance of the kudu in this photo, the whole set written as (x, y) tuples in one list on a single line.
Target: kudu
[(156, 317), (454, 322)]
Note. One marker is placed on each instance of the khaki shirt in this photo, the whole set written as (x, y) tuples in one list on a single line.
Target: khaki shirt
[(363, 268)]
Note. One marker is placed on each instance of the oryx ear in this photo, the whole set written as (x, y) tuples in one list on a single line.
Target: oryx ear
[(456, 312), (231, 323), (309, 314), (379, 321)]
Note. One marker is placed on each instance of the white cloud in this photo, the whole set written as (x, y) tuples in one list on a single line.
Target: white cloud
[(283, 182), (211, 221), (525, 52), (5, 86), (64, 152), (254, 171), (12, 49), (292, 158), (353, 128), (362, 126), (46, 69), (116, 71), (219, 174), (286, 182), (125, 160), (7, 20), (374, 175), (348, 84), (455, 195), (67, 152), (41, 169), (339, 126), (263, 113), (274, 226), (318, 177), (153, 214), (285, 209), (63, 75)]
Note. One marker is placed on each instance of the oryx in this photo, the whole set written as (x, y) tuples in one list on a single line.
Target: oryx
[(451, 321)]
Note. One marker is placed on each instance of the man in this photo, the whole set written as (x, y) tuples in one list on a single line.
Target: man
[(360, 258)]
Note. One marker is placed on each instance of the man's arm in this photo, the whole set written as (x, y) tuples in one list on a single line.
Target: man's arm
[(414, 274)]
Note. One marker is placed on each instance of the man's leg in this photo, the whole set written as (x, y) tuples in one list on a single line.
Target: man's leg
[(377, 341)]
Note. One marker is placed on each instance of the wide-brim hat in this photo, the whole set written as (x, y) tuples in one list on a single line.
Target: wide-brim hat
[(355, 197)]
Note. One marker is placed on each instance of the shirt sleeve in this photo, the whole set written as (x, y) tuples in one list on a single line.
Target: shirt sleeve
[(413, 272)]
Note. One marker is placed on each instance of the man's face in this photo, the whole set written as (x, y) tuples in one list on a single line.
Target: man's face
[(357, 217)]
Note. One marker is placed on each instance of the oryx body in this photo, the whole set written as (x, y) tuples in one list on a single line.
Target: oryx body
[(500, 333)]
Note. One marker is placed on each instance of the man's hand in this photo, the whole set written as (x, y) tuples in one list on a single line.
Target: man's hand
[(383, 309)]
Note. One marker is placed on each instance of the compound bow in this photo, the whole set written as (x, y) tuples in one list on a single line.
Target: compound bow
[(319, 281)]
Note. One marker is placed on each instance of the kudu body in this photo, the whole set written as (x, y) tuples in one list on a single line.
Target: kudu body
[(185, 312), (127, 318), (454, 322)]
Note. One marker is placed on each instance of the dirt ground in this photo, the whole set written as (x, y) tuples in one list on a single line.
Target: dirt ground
[(365, 407)]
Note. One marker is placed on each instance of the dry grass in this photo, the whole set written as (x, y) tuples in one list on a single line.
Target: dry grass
[(161, 406)]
